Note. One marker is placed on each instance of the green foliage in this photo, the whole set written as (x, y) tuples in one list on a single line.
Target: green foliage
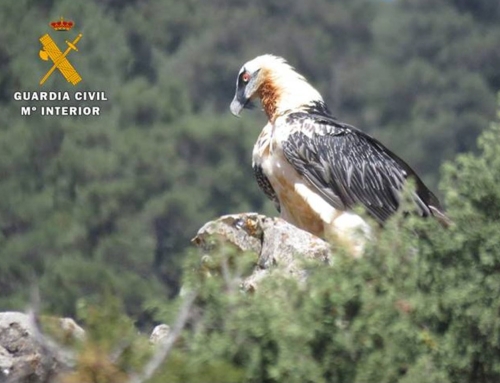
[(433, 91), (420, 306), (99, 211), (111, 348), (109, 204)]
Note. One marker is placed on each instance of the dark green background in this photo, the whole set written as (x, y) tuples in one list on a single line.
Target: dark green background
[(87, 203)]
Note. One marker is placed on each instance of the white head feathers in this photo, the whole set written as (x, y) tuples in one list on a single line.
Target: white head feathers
[(277, 84)]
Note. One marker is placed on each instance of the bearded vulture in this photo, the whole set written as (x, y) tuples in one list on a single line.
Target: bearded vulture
[(315, 168)]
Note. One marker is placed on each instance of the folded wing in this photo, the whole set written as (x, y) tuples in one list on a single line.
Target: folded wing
[(349, 168)]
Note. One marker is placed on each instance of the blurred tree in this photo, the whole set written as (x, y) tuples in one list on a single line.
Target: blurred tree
[(94, 203), (420, 306), (430, 85)]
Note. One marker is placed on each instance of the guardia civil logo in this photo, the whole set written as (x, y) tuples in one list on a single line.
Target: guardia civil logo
[(56, 60), (51, 52)]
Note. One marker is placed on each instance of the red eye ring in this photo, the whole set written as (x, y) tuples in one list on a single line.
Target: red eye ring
[(245, 77)]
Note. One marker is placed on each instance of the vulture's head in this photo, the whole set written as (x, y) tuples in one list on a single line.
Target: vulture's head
[(272, 80)]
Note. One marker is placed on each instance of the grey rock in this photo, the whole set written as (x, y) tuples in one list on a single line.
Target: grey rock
[(6, 363), (279, 246), (243, 230), (159, 334), (72, 329), (24, 355)]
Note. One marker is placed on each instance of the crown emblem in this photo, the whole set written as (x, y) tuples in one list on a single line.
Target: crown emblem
[(62, 25)]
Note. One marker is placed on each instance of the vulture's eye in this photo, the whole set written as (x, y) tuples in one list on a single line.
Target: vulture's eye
[(245, 77)]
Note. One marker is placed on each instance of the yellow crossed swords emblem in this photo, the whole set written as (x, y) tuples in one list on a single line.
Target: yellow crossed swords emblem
[(50, 50)]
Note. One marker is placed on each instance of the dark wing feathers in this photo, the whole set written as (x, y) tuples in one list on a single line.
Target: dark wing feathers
[(348, 167), (266, 186)]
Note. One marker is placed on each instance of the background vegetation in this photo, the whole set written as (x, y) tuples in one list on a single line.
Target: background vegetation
[(109, 203)]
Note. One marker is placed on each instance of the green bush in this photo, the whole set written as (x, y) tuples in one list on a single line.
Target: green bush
[(423, 304)]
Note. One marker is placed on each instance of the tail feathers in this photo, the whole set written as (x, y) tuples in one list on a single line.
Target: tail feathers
[(440, 216)]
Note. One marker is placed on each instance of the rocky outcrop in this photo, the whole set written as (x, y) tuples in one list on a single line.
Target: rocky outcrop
[(159, 334), (278, 245), (28, 356)]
